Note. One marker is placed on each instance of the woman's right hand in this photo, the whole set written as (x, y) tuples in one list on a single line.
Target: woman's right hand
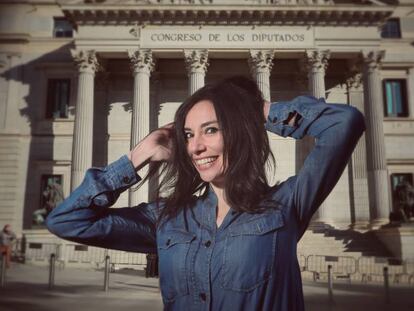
[(155, 147)]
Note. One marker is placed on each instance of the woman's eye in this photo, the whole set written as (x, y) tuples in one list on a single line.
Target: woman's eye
[(188, 135), (211, 130)]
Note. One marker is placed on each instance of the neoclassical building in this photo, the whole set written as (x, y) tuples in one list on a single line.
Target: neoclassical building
[(83, 81)]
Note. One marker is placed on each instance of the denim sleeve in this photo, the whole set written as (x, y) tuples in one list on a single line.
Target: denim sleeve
[(336, 129), (85, 216)]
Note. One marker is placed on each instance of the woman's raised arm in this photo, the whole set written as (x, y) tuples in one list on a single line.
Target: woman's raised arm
[(85, 216), (336, 129)]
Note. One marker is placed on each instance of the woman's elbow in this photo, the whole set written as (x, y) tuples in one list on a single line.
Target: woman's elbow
[(355, 120)]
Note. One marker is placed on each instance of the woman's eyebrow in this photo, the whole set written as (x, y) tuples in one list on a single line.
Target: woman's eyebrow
[(203, 124)]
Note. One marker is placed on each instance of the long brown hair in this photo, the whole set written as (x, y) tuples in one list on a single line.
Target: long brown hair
[(238, 104)]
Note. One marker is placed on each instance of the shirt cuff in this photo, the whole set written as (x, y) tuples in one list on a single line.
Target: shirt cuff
[(308, 107), (122, 173)]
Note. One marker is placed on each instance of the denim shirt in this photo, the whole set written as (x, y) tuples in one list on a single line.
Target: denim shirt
[(249, 262)]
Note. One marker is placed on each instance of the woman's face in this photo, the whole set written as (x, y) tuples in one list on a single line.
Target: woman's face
[(205, 142)]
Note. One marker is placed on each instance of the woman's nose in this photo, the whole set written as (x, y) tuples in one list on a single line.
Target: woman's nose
[(196, 145)]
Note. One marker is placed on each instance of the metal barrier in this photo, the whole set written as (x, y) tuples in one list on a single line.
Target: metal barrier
[(78, 253), (41, 251), (341, 266), (126, 258), (373, 267)]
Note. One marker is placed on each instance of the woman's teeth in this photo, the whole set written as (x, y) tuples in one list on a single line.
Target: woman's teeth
[(205, 161)]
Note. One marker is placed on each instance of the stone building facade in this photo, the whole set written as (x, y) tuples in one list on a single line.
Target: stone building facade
[(83, 81)]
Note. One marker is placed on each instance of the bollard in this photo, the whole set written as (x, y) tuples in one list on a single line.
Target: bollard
[(386, 285), (3, 270), (52, 264), (330, 283), (107, 268)]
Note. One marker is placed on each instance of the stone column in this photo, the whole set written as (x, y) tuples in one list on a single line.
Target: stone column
[(358, 170), (316, 62), (376, 161), (196, 62), (83, 128), (142, 65), (261, 63)]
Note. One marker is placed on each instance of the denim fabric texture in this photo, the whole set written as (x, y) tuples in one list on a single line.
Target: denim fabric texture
[(250, 261)]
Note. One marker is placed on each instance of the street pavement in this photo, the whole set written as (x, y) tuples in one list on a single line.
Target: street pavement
[(26, 289)]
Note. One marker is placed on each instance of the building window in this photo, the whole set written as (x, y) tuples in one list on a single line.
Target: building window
[(51, 194), (62, 28), (58, 94), (402, 195), (391, 29), (395, 98)]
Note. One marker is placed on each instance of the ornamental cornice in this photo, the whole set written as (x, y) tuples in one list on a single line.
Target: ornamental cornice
[(196, 60), (85, 60), (141, 61), (276, 14)]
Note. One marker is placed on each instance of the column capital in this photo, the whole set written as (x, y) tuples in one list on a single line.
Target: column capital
[(141, 61), (317, 59), (372, 59), (85, 60), (196, 60), (261, 61)]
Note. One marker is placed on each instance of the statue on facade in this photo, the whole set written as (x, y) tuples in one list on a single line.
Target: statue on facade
[(403, 197), (51, 197)]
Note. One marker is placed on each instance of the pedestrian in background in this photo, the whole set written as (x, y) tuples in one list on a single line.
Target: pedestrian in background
[(7, 239)]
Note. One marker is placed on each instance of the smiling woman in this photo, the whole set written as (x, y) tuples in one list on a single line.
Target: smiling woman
[(226, 240)]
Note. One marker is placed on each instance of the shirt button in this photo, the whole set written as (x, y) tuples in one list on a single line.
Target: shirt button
[(126, 179), (207, 244), (203, 296)]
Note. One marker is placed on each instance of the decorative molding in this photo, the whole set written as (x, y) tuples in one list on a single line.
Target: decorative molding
[(85, 60), (196, 60), (261, 61), (141, 61), (372, 59), (214, 14), (317, 59), (135, 30)]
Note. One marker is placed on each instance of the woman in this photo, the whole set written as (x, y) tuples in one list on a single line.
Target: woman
[(226, 240)]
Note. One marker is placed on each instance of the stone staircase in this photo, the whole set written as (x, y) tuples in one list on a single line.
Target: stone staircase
[(322, 239), (352, 255)]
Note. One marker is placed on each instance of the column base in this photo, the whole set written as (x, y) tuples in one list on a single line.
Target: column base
[(360, 226), (378, 223)]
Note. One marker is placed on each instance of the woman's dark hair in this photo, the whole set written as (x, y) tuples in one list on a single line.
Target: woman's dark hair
[(238, 104)]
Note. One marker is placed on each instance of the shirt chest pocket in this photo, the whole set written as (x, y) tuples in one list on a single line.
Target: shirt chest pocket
[(249, 253), (173, 247)]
